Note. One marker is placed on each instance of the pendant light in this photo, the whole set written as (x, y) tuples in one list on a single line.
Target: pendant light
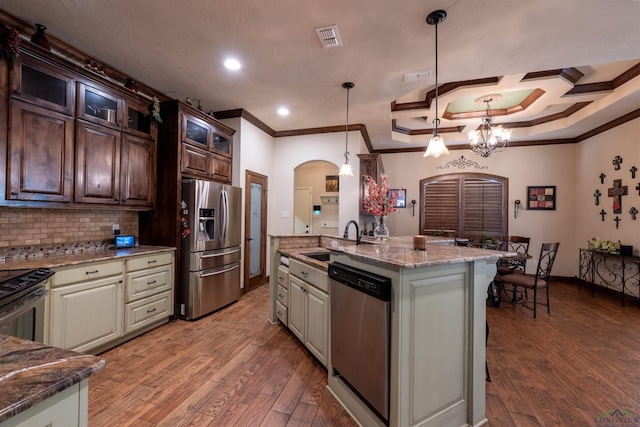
[(436, 145), (345, 170)]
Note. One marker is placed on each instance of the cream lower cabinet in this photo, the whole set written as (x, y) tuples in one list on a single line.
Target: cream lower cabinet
[(149, 290), (97, 305), (87, 303), (309, 317), (282, 295)]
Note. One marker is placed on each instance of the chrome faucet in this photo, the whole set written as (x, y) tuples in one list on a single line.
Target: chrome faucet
[(346, 231)]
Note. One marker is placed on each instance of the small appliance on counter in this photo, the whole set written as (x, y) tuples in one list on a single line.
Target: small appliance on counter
[(210, 250), (124, 241)]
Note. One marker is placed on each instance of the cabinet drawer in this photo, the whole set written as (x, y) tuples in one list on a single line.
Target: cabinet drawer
[(283, 277), (149, 282), (144, 312), (312, 275), (283, 296), (281, 312), (149, 261), (88, 271)]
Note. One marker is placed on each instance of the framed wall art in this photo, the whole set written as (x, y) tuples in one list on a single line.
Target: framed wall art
[(401, 201), (541, 197), (332, 183)]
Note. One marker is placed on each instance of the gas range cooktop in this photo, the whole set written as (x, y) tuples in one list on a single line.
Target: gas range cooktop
[(14, 283)]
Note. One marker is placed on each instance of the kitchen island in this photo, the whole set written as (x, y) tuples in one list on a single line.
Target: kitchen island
[(437, 328), (43, 385)]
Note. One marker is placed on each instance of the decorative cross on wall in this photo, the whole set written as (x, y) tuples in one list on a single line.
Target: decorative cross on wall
[(597, 195), (602, 214), (617, 220), (617, 191), (638, 188), (602, 176), (616, 162), (633, 211), (633, 171)]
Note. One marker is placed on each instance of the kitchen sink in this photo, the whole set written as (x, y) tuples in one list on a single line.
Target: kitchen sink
[(318, 256)]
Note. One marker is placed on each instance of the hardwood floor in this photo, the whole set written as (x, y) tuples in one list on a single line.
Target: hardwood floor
[(233, 368), (567, 368)]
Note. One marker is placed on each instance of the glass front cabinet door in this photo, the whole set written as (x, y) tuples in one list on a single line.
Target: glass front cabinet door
[(43, 84), (99, 106)]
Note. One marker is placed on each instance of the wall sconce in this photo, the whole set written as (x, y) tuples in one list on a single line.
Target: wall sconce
[(413, 207), (516, 206)]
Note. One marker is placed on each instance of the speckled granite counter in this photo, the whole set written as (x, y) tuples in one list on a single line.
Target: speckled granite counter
[(31, 373), (77, 258), (397, 251), (400, 253)]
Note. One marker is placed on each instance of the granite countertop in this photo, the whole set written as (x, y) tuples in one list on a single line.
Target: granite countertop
[(299, 254), (399, 252), (78, 258), (31, 372)]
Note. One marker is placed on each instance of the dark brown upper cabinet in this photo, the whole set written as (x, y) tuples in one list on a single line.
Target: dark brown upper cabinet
[(39, 154)]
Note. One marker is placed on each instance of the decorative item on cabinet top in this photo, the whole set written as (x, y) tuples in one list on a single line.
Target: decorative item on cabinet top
[(9, 43), (39, 38)]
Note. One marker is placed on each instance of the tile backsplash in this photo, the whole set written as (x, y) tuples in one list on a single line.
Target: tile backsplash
[(22, 227)]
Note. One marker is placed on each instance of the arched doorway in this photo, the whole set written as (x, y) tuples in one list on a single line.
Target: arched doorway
[(316, 196)]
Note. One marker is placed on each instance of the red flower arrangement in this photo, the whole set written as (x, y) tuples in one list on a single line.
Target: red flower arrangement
[(9, 43), (379, 201)]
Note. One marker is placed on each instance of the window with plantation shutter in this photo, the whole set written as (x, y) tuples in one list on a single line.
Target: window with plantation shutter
[(466, 205)]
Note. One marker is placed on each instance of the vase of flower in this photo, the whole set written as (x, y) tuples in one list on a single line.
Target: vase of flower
[(379, 202), (381, 232)]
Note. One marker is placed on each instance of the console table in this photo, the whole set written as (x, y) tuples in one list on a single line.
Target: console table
[(612, 271)]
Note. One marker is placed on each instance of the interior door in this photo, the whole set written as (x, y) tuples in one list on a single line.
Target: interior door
[(255, 230), (302, 210)]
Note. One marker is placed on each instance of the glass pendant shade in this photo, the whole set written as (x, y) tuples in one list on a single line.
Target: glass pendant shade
[(436, 147), (345, 170)]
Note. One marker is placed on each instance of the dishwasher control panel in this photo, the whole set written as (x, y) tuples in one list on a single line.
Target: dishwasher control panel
[(370, 283)]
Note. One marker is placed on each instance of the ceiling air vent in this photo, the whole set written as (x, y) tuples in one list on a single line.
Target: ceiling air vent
[(329, 36)]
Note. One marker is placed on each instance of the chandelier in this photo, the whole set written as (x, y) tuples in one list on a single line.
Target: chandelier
[(489, 137)]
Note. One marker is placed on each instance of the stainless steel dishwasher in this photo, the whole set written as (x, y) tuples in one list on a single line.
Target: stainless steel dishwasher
[(360, 333)]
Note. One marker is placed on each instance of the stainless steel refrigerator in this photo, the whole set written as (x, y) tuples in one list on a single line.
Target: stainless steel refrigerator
[(211, 251)]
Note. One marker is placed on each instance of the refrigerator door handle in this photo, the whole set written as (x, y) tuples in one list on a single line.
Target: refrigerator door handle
[(220, 271), (220, 254), (224, 217)]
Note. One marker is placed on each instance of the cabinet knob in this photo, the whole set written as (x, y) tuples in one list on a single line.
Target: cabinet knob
[(17, 91), (14, 193)]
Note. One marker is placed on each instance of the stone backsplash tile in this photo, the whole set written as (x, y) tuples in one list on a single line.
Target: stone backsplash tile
[(25, 232)]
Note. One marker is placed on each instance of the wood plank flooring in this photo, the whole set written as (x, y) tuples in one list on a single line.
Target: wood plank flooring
[(567, 368), (233, 368)]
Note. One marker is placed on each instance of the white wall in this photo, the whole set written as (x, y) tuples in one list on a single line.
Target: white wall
[(524, 166), (291, 152), (252, 150), (572, 168)]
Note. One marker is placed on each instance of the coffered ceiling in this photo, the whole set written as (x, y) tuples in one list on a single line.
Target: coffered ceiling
[(565, 69)]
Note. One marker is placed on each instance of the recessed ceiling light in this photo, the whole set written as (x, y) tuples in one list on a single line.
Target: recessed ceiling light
[(232, 64), (283, 111)]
